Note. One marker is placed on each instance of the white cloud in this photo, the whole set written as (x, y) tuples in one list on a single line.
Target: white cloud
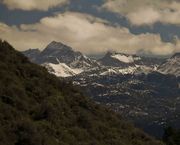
[(85, 33), (144, 16), (33, 4), (146, 12)]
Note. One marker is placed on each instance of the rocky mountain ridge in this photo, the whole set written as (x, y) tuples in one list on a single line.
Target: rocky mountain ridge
[(112, 63)]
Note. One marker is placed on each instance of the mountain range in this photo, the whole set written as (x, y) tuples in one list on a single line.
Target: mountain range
[(145, 90), (37, 108), (58, 57)]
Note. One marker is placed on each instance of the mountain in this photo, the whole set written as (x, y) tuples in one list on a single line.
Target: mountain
[(56, 54), (122, 60), (117, 60), (121, 63), (37, 108), (56, 51), (171, 66)]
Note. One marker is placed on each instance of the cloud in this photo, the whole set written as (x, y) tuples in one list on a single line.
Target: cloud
[(28, 5), (146, 12), (84, 33), (146, 16)]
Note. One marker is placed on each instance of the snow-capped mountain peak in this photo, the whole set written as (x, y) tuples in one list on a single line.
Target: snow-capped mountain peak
[(57, 55), (57, 52)]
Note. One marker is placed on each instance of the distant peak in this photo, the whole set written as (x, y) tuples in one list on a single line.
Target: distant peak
[(57, 45)]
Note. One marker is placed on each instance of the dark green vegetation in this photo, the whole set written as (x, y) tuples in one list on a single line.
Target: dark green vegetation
[(36, 108), (171, 136)]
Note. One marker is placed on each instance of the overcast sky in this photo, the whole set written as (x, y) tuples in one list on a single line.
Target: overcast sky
[(149, 27)]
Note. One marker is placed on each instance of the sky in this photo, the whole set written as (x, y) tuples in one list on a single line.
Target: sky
[(146, 27)]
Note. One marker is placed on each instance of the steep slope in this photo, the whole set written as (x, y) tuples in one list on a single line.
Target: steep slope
[(36, 108), (171, 66)]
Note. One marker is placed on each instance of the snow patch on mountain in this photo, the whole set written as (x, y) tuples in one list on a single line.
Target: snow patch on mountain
[(125, 58), (61, 69)]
